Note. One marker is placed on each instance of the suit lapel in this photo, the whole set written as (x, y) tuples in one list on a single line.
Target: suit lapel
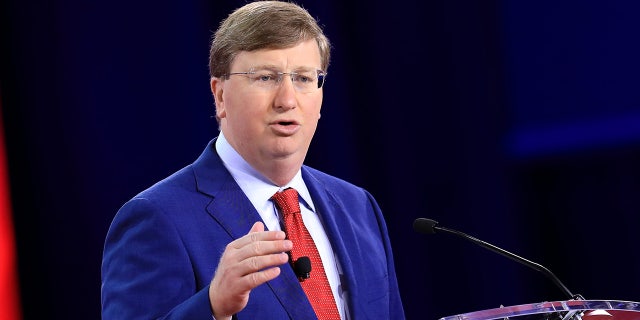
[(231, 208), (340, 230)]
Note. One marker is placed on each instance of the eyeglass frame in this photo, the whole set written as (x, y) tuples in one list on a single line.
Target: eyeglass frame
[(320, 76)]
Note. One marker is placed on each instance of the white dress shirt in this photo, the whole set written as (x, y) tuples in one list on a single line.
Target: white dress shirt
[(259, 191)]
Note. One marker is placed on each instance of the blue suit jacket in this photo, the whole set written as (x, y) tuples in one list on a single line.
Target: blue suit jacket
[(163, 246)]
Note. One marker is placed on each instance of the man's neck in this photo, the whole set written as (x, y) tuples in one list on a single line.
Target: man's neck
[(278, 171)]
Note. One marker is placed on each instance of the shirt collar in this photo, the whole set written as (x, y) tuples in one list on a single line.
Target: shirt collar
[(255, 185)]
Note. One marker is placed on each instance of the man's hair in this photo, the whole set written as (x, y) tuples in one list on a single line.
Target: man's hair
[(264, 25)]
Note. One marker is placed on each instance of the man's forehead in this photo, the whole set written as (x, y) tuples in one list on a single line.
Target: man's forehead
[(303, 55)]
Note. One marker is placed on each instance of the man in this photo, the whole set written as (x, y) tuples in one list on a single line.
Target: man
[(221, 216)]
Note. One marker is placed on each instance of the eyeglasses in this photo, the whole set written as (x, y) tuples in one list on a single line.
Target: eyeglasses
[(303, 81)]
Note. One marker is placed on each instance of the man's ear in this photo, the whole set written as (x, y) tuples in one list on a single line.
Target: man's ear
[(217, 88)]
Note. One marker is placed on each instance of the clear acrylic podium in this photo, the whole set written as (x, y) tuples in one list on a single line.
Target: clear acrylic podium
[(559, 310)]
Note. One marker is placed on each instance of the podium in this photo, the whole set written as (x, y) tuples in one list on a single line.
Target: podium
[(577, 308), (559, 310)]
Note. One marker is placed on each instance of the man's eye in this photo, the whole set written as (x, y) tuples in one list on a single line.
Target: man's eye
[(303, 78), (265, 77)]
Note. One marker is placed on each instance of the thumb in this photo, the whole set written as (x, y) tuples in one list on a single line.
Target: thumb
[(257, 227)]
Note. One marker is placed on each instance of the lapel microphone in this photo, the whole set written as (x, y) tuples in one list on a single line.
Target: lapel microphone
[(302, 268)]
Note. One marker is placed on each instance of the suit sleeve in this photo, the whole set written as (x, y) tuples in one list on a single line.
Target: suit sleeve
[(146, 270), (396, 309)]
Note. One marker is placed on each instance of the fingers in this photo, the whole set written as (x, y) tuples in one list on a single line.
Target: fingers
[(264, 274), (258, 243), (246, 263), (258, 249), (228, 296)]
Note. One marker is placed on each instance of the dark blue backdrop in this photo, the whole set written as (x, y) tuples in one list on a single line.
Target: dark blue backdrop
[(517, 122)]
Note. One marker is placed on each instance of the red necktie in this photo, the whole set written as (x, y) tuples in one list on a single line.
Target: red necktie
[(316, 286)]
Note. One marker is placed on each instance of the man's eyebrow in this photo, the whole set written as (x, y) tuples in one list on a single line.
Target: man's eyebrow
[(265, 66), (272, 67)]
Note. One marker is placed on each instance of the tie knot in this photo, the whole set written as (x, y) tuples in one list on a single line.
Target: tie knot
[(287, 201)]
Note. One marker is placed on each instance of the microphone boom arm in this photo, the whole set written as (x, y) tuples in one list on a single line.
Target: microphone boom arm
[(428, 226), (515, 257)]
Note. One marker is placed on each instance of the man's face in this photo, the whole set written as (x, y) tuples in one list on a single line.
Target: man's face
[(269, 123)]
